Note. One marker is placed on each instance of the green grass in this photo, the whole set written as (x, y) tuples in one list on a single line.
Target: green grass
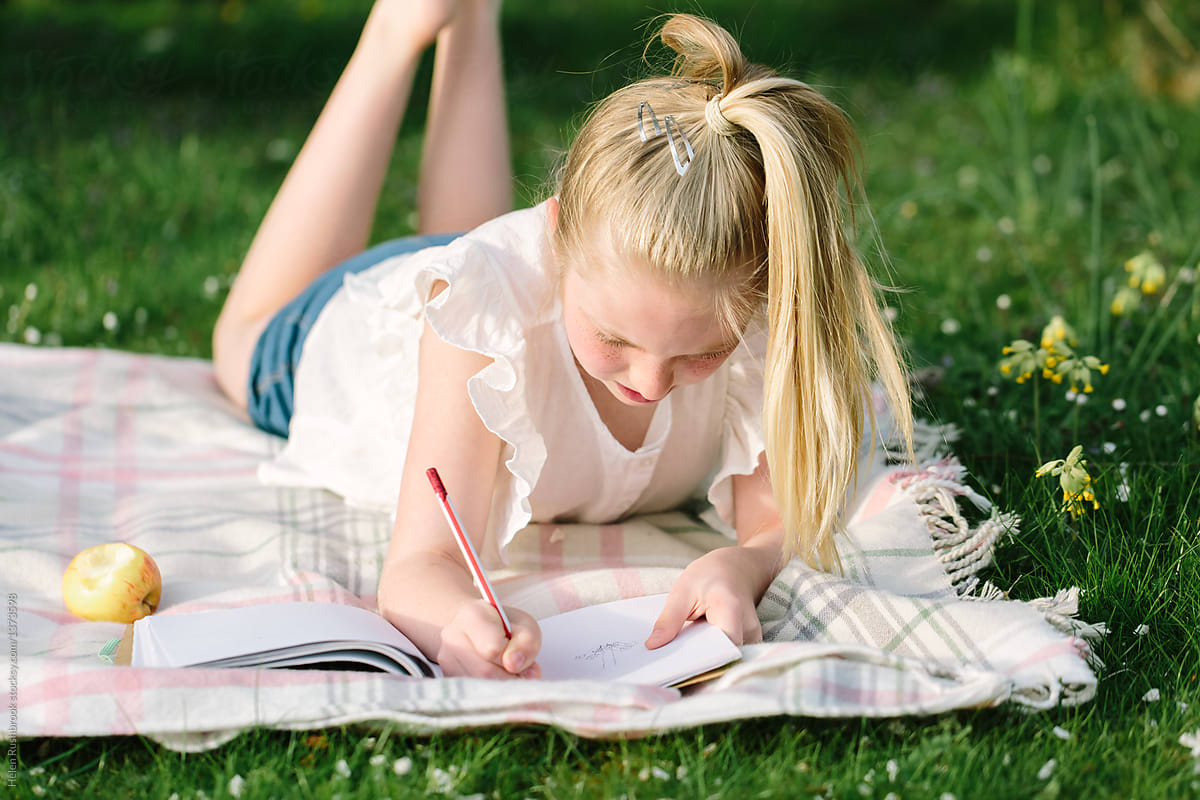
[(132, 178)]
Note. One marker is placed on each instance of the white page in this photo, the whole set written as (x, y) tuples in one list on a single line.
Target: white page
[(185, 639), (606, 642), (603, 642)]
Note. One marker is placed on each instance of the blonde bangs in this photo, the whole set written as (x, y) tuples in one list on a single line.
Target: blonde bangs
[(708, 225)]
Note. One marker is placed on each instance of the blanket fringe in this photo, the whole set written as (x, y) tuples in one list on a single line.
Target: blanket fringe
[(983, 591), (964, 549), (1062, 611)]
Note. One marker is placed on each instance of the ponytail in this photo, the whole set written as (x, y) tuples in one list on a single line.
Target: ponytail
[(762, 210), (827, 337)]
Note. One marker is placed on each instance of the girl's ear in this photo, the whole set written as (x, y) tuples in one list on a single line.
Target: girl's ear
[(552, 215)]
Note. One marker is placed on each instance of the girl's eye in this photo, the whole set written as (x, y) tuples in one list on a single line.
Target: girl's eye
[(608, 341), (713, 356)]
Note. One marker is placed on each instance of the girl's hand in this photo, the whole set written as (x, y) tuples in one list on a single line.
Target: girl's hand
[(474, 644), (722, 586)]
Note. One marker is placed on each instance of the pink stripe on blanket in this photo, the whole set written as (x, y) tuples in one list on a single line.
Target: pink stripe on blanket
[(219, 455), (877, 502), (1066, 647), (63, 686), (100, 473), (564, 592), (612, 551)]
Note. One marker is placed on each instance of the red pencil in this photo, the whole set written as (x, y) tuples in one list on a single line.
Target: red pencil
[(468, 550)]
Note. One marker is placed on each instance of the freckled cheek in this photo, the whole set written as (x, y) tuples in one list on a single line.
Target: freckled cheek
[(606, 360), (696, 371), (596, 358), (609, 355)]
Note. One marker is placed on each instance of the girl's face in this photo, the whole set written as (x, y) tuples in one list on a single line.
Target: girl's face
[(639, 337)]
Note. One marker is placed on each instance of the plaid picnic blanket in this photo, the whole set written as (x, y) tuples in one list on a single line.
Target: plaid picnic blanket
[(99, 446)]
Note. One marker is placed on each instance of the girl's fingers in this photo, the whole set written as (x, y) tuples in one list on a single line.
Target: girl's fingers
[(729, 619), (464, 661), (475, 644), (485, 633), (525, 644), (678, 609)]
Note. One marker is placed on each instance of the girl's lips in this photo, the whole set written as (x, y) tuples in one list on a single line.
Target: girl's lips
[(632, 395)]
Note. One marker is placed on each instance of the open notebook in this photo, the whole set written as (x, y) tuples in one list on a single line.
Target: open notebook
[(602, 642)]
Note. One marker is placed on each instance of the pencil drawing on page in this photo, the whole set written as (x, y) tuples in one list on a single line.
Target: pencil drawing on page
[(605, 654)]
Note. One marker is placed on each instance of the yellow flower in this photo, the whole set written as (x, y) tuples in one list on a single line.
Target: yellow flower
[(1079, 369), (1146, 272), (1125, 299), (1022, 359), (1054, 360), (1074, 480), (1077, 503), (1056, 332), (1154, 279)]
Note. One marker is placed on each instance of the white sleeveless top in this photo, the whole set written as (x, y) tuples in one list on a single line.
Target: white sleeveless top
[(356, 389)]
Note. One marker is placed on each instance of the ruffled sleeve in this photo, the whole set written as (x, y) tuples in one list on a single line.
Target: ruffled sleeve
[(742, 438), (496, 294)]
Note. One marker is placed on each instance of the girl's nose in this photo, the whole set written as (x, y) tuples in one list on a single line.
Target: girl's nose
[(653, 379)]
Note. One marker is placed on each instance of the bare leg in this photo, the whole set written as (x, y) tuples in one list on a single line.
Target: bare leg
[(324, 209), (466, 175)]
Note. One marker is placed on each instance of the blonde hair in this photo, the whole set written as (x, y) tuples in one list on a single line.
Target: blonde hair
[(759, 214)]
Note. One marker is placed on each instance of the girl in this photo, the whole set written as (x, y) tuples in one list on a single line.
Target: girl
[(686, 317)]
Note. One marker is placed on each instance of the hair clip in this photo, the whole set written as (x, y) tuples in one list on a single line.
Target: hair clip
[(653, 119), (681, 163), (681, 166)]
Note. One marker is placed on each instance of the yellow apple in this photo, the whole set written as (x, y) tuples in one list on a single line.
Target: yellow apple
[(114, 582)]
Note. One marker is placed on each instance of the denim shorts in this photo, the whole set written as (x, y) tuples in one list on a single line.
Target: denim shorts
[(270, 391)]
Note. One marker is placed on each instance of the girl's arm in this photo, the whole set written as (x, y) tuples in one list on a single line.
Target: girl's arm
[(725, 585), (425, 588)]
